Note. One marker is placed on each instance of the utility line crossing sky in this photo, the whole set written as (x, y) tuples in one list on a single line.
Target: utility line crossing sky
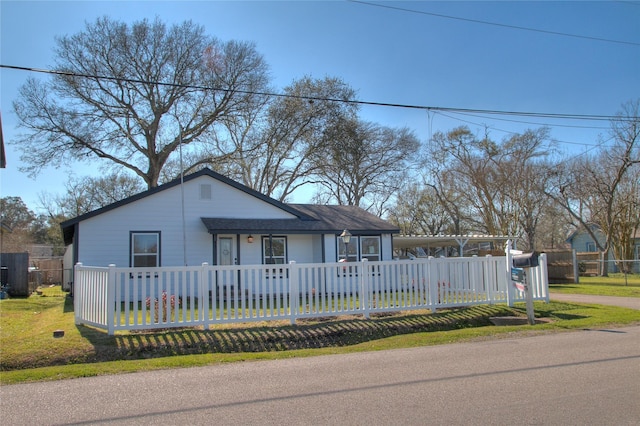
[(503, 66)]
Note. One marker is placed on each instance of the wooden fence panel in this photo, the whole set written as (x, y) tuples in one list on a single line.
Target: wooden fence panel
[(588, 263), (17, 265), (561, 265), (50, 271)]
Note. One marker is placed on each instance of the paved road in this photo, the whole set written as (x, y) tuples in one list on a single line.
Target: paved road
[(625, 302), (574, 378)]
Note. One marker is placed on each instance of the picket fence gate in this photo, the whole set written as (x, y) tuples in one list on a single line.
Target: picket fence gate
[(116, 299)]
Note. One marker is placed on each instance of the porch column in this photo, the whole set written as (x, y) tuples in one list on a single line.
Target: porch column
[(461, 243)]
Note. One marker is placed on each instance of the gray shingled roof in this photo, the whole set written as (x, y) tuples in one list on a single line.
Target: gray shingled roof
[(320, 219), (309, 218)]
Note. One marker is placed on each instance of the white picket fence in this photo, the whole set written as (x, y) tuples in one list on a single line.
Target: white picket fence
[(115, 298)]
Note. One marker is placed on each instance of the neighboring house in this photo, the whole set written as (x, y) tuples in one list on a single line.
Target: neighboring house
[(581, 241), (210, 218)]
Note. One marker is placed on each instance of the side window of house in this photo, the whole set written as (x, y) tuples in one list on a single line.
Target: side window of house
[(370, 248), (351, 249), (359, 248), (591, 246), (145, 249), (274, 250)]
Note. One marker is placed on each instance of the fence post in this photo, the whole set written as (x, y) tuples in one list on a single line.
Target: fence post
[(488, 276), (434, 290), (509, 262), (294, 297), (78, 304), (576, 267), (544, 276), (111, 308), (203, 296), (364, 288)]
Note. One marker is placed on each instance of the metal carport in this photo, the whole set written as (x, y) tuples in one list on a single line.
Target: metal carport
[(404, 242)]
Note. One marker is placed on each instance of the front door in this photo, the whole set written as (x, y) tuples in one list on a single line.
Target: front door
[(225, 252), (227, 282)]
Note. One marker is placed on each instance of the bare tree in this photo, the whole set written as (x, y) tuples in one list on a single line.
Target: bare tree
[(417, 211), (627, 210), (465, 166), (490, 187), (274, 145), (89, 193), (82, 196), (553, 227), (450, 197), (592, 189), (364, 164), (131, 95), (524, 173)]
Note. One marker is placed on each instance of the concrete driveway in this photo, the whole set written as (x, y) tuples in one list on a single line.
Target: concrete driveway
[(624, 302)]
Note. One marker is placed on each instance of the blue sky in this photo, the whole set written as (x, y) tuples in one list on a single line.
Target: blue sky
[(388, 55)]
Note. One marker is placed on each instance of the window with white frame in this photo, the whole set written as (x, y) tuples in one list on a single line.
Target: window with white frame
[(370, 248), (359, 247), (274, 250), (591, 246), (145, 249), (351, 249)]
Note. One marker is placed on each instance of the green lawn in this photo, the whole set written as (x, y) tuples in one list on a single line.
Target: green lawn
[(613, 285), (29, 351)]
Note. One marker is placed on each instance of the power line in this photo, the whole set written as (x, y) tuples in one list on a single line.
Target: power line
[(588, 147), (535, 123), (532, 114), (592, 117), (495, 24), (511, 132)]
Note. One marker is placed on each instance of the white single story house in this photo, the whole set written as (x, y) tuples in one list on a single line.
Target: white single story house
[(206, 217)]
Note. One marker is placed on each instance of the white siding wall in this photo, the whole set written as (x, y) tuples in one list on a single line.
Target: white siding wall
[(330, 248), (387, 247), (251, 253), (300, 248), (104, 239), (316, 244)]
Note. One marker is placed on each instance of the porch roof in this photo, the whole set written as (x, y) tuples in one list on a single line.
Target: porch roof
[(314, 219)]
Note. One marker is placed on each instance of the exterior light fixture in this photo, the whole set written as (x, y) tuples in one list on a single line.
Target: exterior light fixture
[(346, 237), (250, 239)]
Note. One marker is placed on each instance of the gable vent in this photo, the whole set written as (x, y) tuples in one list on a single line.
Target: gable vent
[(205, 191)]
